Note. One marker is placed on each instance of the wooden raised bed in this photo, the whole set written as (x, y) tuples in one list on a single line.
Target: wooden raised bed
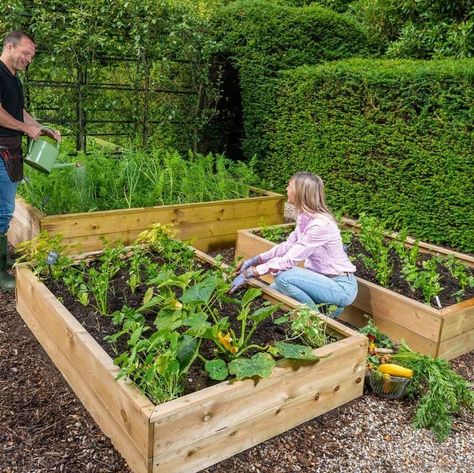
[(202, 428), (207, 225), (445, 333)]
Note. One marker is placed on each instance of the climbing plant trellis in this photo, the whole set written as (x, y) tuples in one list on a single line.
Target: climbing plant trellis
[(132, 69), (102, 104)]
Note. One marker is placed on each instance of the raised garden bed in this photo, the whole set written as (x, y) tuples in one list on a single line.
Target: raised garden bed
[(199, 429), (207, 224), (445, 333)]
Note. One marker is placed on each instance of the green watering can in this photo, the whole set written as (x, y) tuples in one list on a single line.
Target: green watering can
[(42, 155)]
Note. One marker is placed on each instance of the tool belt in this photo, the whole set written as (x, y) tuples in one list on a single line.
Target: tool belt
[(11, 154)]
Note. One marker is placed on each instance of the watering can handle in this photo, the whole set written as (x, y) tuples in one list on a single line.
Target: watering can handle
[(49, 129)]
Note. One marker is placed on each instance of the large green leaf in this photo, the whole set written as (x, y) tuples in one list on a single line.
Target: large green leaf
[(186, 352), (217, 369), (167, 321), (136, 335), (250, 294), (263, 313), (167, 365), (296, 352), (200, 292), (197, 324), (260, 365)]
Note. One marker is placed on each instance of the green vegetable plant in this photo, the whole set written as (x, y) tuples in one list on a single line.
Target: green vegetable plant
[(372, 237), (137, 179), (73, 278), (138, 262), (38, 252), (459, 271), (443, 392), (409, 255), (179, 320), (306, 325), (425, 278), (276, 234), (375, 335)]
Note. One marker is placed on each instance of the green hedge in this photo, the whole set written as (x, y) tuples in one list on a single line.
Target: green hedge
[(391, 138), (261, 37)]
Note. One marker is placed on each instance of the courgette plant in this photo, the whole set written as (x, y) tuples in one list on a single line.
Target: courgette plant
[(180, 321)]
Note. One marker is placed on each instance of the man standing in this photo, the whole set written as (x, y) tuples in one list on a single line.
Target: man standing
[(18, 51)]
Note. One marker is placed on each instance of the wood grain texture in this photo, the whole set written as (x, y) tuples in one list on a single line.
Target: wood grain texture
[(204, 427), (206, 224)]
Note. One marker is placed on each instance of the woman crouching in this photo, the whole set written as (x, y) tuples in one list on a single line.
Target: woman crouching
[(328, 275)]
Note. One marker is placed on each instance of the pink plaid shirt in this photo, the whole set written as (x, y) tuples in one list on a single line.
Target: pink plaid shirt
[(316, 240)]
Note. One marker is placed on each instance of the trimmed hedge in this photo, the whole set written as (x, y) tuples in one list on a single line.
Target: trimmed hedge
[(391, 138), (260, 37)]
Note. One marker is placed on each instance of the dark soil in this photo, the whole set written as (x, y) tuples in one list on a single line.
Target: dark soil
[(397, 282), (44, 428)]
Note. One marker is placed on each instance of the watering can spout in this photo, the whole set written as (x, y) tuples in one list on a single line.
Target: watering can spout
[(65, 165)]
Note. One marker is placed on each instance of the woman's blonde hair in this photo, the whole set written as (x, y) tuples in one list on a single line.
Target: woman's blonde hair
[(309, 193)]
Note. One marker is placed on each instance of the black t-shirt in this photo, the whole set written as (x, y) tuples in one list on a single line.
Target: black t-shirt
[(11, 98)]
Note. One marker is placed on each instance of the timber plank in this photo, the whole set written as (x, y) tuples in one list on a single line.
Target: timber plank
[(25, 223), (210, 410), (234, 438), (215, 222), (208, 425), (456, 346), (425, 328), (103, 222), (121, 410), (398, 309), (457, 319)]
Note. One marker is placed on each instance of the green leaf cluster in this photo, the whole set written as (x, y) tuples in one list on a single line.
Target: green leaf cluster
[(443, 392), (419, 29), (179, 321), (104, 181), (133, 69)]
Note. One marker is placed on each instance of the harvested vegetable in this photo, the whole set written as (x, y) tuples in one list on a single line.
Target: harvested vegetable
[(395, 370), (443, 392)]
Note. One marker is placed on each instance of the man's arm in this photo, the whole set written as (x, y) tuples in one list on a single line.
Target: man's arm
[(7, 121), (29, 120)]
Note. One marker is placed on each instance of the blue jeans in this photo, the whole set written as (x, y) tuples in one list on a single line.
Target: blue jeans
[(311, 288), (7, 198)]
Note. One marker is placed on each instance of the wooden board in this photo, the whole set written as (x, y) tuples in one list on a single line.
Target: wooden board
[(202, 428), (410, 241), (25, 224), (207, 224), (446, 333), (120, 410), (234, 438)]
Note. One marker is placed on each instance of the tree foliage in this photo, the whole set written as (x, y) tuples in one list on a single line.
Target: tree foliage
[(167, 46), (261, 37), (419, 28)]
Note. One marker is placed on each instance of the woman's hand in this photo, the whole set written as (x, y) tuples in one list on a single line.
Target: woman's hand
[(248, 263), (242, 279)]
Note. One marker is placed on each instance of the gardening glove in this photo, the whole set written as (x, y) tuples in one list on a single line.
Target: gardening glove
[(248, 263), (241, 279)]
